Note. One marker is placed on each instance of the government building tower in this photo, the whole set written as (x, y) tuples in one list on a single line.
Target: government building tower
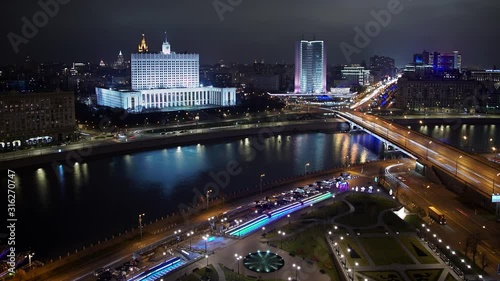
[(165, 80)]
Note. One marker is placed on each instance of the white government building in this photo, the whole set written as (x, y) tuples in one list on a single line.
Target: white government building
[(165, 80)]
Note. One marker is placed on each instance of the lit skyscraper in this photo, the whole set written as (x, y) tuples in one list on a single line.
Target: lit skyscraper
[(310, 67)]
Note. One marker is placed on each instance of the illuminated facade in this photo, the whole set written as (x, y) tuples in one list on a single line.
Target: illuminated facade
[(310, 67), (31, 118), (165, 80)]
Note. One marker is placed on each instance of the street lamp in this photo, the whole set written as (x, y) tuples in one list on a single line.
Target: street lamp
[(297, 268), (190, 235), (406, 138), (238, 258), (281, 234), (30, 255), (140, 223), (493, 189), (208, 194), (288, 218), (261, 176), (305, 168), (205, 237), (456, 165), (354, 270), (427, 154)]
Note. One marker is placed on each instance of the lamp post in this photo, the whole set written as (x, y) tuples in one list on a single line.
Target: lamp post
[(140, 223), (354, 270), (288, 218), (493, 187), (406, 138), (305, 169), (238, 258), (190, 235), (456, 165), (30, 255), (208, 195), (297, 268), (205, 237), (427, 154), (281, 234), (261, 177)]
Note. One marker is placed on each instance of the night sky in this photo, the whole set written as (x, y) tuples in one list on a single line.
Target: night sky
[(91, 30)]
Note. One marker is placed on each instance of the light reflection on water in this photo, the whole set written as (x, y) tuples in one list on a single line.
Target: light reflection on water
[(103, 196)]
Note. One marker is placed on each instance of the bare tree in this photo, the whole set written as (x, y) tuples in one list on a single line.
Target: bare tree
[(483, 260), (476, 239), (467, 244)]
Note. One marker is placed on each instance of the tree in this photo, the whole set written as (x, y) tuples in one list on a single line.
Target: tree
[(467, 244), (476, 239), (483, 260)]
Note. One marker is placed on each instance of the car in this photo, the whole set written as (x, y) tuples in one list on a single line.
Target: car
[(99, 271)]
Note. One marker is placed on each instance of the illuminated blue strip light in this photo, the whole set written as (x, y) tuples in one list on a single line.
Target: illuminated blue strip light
[(158, 271), (259, 222)]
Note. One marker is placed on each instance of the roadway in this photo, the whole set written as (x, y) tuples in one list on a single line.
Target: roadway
[(138, 135), (462, 220), (476, 171)]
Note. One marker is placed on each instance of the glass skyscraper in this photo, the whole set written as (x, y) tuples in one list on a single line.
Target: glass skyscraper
[(310, 67)]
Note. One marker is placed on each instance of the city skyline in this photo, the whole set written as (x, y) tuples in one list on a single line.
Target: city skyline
[(247, 31)]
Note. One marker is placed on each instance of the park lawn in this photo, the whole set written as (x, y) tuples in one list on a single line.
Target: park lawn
[(414, 221), (385, 251), (345, 243), (378, 229), (382, 275), (411, 242), (311, 244), (396, 224), (428, 274), (291, 228), (367, 207), (327, 211), (211, 273)]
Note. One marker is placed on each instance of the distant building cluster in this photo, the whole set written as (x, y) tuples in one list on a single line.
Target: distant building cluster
[(164, 81), (437, 82)]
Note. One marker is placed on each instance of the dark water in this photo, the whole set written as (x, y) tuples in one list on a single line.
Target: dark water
[(471, 138), (59, 211)]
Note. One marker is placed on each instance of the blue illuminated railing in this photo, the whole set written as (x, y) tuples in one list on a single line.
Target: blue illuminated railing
[(158, 271), (257, 223)]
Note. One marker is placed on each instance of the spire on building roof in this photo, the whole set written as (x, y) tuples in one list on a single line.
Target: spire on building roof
[(143, 47)]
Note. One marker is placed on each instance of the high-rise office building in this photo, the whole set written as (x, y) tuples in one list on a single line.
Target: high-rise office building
[(164, 80), (310, 67)]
